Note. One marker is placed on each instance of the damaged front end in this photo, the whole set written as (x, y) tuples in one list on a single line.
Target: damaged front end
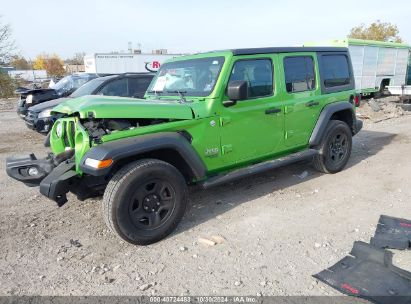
[(85, 126), (54, 174), (58, 173)]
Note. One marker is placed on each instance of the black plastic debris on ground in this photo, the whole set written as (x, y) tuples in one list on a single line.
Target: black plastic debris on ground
[(368, 273), (75, 243), (392, 233)]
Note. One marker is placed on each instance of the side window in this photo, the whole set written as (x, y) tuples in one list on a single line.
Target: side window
[(335, 70), (137, 86), (118, 87), (258, 74), (299, 74)]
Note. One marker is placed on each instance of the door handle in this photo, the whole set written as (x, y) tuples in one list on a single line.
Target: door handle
[(312, 103), (272, 111)]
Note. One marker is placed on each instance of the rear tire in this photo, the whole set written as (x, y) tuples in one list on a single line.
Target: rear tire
[(145, 201), (335, 148)]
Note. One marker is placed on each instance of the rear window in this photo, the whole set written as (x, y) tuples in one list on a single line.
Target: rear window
[(335, 70), (299, 74)]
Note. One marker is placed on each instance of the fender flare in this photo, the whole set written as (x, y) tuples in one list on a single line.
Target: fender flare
[(325, 117), (133, 146)]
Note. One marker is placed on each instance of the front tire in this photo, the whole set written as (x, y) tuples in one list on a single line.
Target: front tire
[(145, 201), (335, 148)]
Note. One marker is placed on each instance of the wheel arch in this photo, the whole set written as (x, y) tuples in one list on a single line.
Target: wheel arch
[(384, 83), (171, 147), (343, 111), (168, 155)]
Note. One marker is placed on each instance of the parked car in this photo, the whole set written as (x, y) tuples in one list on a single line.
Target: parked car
[(206, 119), (66, 86), (40, 118)]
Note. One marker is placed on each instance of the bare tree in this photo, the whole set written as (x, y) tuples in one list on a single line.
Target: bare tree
[(77, 59), (7, 45), (20, 63)]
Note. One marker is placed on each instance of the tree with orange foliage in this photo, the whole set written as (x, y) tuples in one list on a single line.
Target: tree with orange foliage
[(51, 63), (54, 66)]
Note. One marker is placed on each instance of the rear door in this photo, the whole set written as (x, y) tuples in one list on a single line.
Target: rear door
[(301, 95)]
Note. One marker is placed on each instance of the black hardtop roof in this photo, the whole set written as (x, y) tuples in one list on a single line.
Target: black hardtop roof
[(269, 50)]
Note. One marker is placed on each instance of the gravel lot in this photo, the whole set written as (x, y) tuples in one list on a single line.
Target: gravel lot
[(279, 228)]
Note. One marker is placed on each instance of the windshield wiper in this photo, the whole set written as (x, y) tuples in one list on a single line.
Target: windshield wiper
[(156, 92), (181, 94)]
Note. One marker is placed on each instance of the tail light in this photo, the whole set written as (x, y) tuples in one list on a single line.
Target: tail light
[(357, 100)]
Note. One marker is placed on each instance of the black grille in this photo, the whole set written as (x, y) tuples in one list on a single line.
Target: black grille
[(66, 135), (71, 130)]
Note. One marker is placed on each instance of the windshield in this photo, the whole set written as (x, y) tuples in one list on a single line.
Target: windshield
[(89, 87), (70, 83), (193, 77)]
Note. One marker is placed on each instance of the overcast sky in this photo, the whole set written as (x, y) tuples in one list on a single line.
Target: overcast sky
[(67, 27)]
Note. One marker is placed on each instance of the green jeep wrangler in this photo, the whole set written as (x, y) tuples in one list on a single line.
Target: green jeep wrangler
[(206, 119)]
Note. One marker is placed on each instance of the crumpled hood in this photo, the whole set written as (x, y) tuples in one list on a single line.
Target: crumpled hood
[(120, 107), (26, 91)]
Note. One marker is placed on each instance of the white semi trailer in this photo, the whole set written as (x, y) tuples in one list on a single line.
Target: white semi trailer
[(103, 63), (376, 64)]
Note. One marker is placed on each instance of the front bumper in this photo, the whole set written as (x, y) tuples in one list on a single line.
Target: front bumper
[(54, 178), (19, 167), (58, 183), (41, 125), (22, 111), (21, 108)]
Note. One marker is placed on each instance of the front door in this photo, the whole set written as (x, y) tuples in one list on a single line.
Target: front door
[(253, 128)]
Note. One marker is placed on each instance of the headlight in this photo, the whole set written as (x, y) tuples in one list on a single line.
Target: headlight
[(59, 130), (29, 98), (45, 113), (98, 164)]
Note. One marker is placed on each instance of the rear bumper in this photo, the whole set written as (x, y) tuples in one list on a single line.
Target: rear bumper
[(54, 180)]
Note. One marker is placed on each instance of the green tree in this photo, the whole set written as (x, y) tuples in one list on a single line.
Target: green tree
[(7, 86), (380, 31)]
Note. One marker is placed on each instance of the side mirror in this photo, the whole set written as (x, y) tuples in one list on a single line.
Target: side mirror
[(236, 90)]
